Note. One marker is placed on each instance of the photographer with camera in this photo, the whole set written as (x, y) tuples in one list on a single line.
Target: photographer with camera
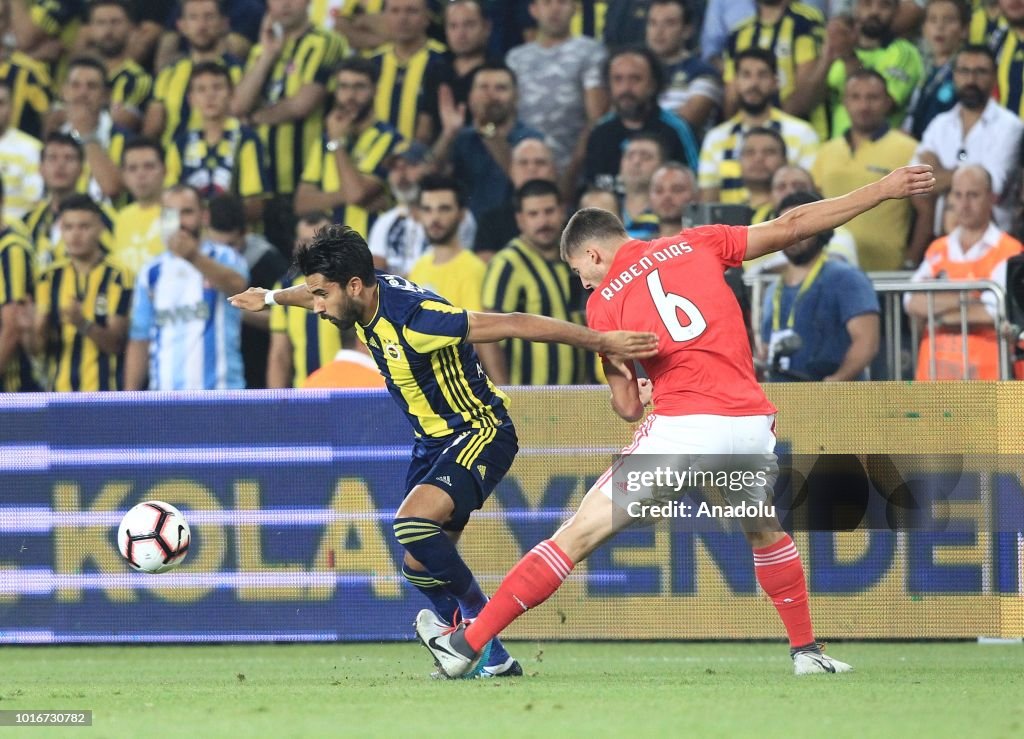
[(821, 320)]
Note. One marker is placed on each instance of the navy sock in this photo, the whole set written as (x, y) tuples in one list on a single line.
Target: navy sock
[(428, 545), (424, 540), (472, 601), (445, 604)]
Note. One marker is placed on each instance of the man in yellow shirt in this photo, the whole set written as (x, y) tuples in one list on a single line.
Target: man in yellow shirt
[(137, 226), (446, 268), (449, 270), (866, 152)]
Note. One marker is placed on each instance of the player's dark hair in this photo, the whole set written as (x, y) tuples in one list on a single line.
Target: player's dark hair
[(683, 6), (770, 133), (441, 183), (80, 202), (88, 62), (126, 5), (804, 197), (212, 68), (227, 213), (138, 143), (590, 224), (359, 65), (62, 139), (338, 253), (653, 63), (979, 50), (765, 56), (536, 189)]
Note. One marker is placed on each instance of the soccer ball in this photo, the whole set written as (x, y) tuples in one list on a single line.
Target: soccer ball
[(153, 537)]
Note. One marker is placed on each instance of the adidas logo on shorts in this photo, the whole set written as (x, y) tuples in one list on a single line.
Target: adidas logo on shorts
[(446, 479)]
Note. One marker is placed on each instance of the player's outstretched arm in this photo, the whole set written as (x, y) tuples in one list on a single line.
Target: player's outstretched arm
[(255, 298), (807, 220), (616, 345)]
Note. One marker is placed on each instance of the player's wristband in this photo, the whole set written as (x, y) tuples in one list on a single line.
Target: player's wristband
[(268, 297)]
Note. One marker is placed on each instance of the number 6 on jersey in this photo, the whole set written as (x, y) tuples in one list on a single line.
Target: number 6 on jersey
[(667, 305)]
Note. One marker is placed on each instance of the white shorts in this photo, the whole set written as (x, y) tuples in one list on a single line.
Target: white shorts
[(731, 445)]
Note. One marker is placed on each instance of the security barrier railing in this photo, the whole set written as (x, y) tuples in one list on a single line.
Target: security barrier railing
[(891, 287)]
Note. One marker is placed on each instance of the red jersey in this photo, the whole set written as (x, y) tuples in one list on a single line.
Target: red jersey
[(675, 287)]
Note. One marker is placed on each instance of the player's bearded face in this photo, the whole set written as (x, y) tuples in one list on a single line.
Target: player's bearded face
[(343, 311)]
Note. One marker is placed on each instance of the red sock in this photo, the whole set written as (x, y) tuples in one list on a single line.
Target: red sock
[(532, 581), (781, 576)]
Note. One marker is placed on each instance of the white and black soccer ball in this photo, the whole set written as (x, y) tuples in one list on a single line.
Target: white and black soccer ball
[(153, 537)]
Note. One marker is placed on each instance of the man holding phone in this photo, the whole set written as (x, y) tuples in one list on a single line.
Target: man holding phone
[(184, 334)]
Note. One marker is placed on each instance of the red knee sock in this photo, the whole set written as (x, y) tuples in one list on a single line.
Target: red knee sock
[(781, 576), (532, 581)]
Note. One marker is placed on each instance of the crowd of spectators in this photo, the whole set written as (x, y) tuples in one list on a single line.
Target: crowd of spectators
[(159, 155)]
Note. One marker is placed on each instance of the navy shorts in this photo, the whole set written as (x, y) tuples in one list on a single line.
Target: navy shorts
[(467, 466)]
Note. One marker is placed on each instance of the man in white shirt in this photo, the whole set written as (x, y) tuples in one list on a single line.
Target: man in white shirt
[(397, 239), (19, 163), (976, 131)]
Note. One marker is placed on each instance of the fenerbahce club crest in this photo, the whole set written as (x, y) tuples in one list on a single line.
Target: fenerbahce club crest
[(393, 352)]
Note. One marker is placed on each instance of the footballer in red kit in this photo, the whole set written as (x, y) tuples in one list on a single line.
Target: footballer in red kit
[(674, 287), (707, 405)]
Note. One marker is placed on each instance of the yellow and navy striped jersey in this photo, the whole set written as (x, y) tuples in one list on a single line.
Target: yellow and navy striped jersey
[(720, 153), (795, 39), (1008, 47), (588, 20), (369, 151), (59, 18), (314, 341), (29, 81), (519, 279), (644, 226), (308, 59), (74, 361), (762, 213), (323, 13), (232, 165), (418, 340), (44, 231), (16, 285), (406, 89), (983, 26), (62, 20), (130, 86), (171, 91)]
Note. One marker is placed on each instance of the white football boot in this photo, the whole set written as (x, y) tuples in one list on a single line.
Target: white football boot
[(437, 638)]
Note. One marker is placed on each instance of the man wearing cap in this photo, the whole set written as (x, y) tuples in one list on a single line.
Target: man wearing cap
[(397, 239), (346, 174)]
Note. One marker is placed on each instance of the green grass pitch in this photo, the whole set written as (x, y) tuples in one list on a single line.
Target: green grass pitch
[(571, 690)]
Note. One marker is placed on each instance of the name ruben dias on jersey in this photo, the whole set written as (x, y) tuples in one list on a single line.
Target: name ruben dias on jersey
[(638, 268)]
